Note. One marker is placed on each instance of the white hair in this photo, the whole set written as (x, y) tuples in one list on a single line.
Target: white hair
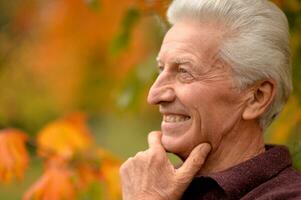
[(257, 46)]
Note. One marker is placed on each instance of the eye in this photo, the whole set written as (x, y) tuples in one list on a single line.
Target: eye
[(182, 70), (160, 68), (184, 75)]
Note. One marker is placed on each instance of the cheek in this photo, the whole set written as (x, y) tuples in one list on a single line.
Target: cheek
[(215, 112)]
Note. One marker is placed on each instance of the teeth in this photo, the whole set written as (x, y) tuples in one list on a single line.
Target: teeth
[(175, 118)]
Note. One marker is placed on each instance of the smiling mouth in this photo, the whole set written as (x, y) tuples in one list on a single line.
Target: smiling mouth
[(172, 118)]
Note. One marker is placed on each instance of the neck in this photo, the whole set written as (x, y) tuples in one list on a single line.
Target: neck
[(236, 147)]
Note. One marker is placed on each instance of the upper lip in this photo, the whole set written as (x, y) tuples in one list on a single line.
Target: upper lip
[(167, 112)]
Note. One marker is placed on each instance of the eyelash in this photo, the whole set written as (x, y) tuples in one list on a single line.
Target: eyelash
[(160, 69), (182, 70), (184, 75)]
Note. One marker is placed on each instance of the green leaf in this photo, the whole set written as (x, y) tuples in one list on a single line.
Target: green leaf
[(137, 83), (95, 191), (93, 4), (122, 40)]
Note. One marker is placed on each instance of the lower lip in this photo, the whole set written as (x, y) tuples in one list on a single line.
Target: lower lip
[(172, 127)]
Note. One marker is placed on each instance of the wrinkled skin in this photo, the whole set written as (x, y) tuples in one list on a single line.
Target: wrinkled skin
[(194, 82), (202, 112), (151, 176)]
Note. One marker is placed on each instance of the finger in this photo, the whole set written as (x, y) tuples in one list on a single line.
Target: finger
[(194, 161), (154, 140)]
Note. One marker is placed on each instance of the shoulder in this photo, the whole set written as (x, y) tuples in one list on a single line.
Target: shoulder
[(285, 185), (287, 177)]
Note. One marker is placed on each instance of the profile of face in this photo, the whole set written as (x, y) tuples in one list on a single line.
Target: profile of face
[(194, 89)]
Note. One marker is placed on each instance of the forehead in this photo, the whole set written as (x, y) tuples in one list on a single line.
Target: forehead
[(188, 38)]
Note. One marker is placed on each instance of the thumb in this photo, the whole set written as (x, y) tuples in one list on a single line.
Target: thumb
[(194, 162), (154, 140)]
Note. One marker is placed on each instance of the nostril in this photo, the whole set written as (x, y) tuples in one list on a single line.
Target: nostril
[(163, 103)]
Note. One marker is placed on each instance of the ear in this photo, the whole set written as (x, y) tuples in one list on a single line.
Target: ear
[(260, 97)]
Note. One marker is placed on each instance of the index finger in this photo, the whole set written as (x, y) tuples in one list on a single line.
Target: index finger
[(154, 140)]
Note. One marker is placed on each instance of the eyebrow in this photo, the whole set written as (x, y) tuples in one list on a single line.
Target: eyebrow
[(158, 59), (178, 60)]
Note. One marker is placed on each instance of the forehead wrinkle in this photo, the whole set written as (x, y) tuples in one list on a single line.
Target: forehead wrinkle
[(196, 48), (196, 60), (183, 44), (200, 45), (180, 52)]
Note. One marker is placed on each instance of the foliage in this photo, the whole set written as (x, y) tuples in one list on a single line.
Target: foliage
[(74, 167), (287, 128), (14, 158), (96, 57)]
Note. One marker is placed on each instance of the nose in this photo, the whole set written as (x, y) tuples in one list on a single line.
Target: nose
[(162, 90)]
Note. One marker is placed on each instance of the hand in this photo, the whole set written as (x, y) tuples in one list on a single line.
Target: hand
[(151, 176)]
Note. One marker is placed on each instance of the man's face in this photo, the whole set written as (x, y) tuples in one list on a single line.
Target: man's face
[(194, 89)]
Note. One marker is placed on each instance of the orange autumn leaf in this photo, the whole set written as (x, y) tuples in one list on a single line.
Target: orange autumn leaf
[(64, 137), (97, 165), (110, 172), (87, 173), (279, 3), (100, 166), (55, 184), (158, 6), (13, 155)]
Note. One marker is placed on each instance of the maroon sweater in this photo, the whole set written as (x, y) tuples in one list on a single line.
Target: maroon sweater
[(267, 176)]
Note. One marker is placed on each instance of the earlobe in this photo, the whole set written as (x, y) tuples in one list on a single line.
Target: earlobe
[(260, 97), (248, 113)]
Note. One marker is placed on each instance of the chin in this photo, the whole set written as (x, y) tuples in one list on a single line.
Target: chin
[(175, 146)]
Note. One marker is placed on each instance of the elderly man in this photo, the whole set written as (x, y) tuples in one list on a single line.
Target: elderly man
[(224, 75)]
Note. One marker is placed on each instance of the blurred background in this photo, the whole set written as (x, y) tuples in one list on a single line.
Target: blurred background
[(97, 57)]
